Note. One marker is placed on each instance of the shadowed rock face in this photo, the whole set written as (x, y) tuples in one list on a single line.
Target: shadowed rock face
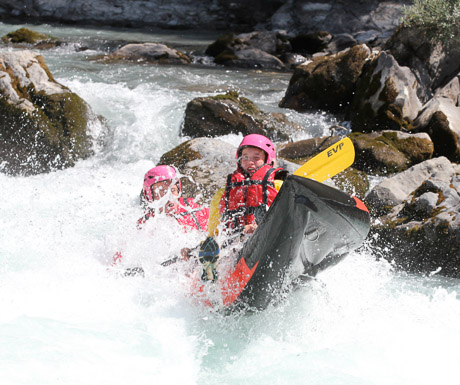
[(238, 15), (43, 125), (326, 82)]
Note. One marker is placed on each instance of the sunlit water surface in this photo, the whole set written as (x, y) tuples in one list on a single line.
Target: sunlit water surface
[(68, 317)]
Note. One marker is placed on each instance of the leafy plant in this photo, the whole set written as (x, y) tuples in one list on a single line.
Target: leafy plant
[(440, 19)]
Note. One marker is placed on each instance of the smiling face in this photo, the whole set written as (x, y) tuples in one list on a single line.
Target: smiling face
[(160, 189), (251, 159)]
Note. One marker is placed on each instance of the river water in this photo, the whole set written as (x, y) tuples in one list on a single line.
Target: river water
[(66, 317)]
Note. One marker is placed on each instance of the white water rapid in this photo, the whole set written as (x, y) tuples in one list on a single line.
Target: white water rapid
[(67, 319)]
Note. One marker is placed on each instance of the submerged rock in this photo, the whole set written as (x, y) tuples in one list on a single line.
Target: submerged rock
[(28, 37), (148, 52), (43, 125)]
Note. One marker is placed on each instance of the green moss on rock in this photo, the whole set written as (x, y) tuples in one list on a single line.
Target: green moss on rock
[(180, 155), (353, 182), (25, 35)]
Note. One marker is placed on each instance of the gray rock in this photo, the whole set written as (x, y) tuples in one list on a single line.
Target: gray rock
[(450, 91), (340, 42), (395, 190), (149, 52), (422, 231), (426, 203), (440, 118), (386, 97), (433, 64), (206, 161), (252, 58)]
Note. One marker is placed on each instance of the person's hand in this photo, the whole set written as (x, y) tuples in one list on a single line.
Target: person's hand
[(185, 253), (249, 229)]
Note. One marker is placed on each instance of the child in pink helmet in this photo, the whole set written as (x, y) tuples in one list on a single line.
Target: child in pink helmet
[(162, 186), (161, 181), (248, 193), (250, 189)]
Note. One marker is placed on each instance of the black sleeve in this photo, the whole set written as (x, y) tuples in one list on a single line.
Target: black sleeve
[(281, 174)]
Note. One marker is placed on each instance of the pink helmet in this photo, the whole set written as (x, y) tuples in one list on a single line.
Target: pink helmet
[(158, 174), (259, 141)]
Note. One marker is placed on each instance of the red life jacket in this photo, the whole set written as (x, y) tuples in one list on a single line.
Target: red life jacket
[(189, 214), (244, 194)]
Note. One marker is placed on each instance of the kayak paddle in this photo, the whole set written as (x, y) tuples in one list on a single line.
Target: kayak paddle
[(329, 162)]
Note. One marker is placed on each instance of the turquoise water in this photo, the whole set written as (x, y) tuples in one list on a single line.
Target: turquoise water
[(66, 317)]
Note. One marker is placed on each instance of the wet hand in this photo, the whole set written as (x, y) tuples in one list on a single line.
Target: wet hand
[(249, 229), (185, 253)]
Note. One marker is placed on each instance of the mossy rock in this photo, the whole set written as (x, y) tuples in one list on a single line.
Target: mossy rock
[(52, 137), (43, 131), (230, 113), (27, 36), (388, 152), (353, 182), (180, 156)]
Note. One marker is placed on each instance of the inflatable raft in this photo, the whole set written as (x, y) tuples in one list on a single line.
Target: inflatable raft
[(310, 226)]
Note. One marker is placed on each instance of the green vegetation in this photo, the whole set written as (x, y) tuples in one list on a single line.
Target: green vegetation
[(440, 19)]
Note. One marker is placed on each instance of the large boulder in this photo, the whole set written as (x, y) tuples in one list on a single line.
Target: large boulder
[(148, 52), (327, 82), (433, 63), (419, 228), (386, 97), (393, 191), (388, 152), (43, 125), (231, 114)]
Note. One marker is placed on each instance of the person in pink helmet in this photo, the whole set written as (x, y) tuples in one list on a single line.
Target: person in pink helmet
[(250, 189), (248, 193), (163, 183), (161, 192)]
